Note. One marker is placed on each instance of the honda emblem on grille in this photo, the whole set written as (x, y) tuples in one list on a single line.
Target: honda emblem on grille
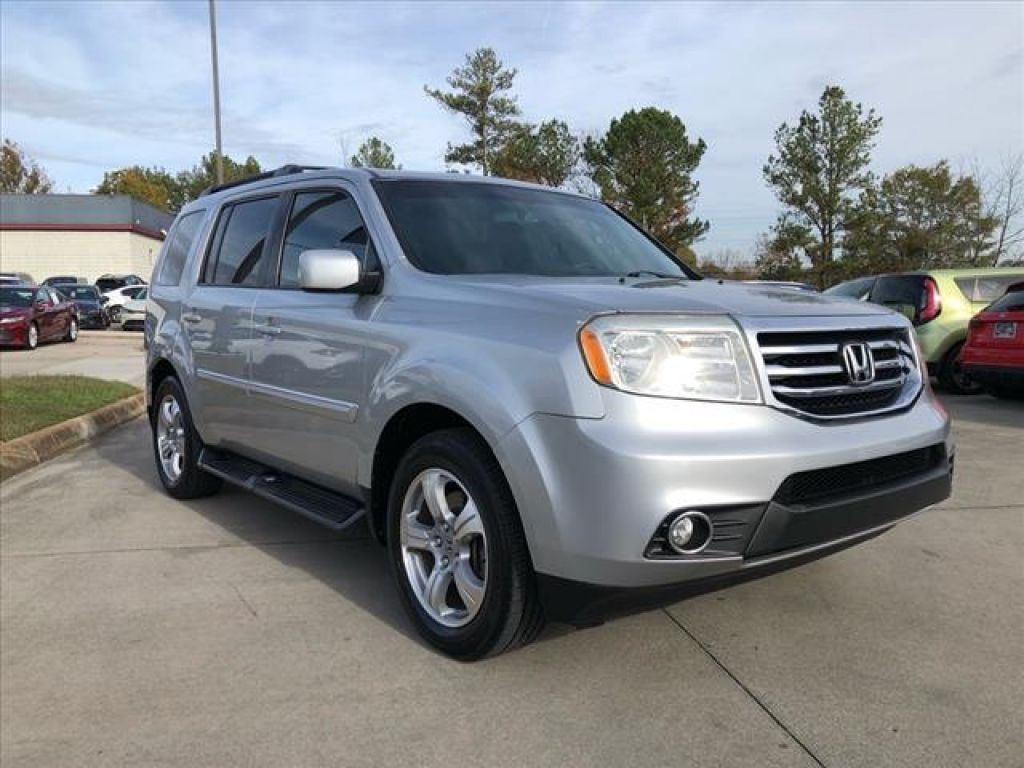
[(859, 363)]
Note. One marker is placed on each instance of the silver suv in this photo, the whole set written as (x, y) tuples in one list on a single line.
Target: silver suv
[(538, 410)]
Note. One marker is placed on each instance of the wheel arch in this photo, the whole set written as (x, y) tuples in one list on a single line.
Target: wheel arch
[(404, 428)]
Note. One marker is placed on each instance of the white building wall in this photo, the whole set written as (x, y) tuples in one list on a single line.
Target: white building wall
[(44, 253)]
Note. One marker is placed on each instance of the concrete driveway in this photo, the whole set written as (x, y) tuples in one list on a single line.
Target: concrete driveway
[(137, 630), (101, 354)]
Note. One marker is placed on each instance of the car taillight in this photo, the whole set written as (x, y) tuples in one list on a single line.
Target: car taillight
[(974, 329), (931, 302)]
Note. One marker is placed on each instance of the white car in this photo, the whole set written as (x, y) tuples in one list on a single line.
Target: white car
[(133, 312), (118, 297)]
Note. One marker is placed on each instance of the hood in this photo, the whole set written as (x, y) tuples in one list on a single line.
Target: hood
[(608, 294), (7, 311)]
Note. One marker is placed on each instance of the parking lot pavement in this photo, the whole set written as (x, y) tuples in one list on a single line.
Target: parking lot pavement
[(138, 630), (101, 354)]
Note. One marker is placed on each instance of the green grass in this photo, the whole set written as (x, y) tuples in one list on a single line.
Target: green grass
[(28, 403)]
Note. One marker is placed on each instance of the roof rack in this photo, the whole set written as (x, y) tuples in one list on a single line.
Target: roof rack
[(284, 170)]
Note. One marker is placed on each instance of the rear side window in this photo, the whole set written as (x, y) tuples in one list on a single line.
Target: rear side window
[(982, 290), (321, 220), (1011, 302), (855, 289), (240, 255), (179, 245), (898, 292)]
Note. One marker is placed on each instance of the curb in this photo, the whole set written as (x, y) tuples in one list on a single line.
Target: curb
[(34, 448)]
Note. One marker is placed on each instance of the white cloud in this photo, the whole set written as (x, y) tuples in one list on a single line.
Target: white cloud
[(89, 86)]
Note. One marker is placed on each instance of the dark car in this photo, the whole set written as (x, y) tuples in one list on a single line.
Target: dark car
[(30, 314), (111, 282), (994, 353), (64, 280), (92, 306), (23, 278)]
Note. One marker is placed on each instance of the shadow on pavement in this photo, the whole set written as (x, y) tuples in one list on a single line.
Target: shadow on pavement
[(350, 562)]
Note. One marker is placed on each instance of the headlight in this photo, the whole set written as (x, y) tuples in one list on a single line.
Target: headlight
[(699, 357), (10, 320)]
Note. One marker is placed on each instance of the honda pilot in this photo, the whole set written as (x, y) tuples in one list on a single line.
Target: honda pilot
[(539, 411)]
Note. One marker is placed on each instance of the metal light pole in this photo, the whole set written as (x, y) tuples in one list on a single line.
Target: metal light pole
[(216, 91)]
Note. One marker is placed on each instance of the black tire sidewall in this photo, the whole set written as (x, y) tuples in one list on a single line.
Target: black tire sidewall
[(948, 369), (193, 481), (450, 451)]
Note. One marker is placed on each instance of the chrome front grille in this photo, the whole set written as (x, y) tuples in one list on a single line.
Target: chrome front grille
[(806, 371)]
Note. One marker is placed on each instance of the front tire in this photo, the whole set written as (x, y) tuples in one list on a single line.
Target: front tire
[(176, 445), (952, 376), (458, 550)]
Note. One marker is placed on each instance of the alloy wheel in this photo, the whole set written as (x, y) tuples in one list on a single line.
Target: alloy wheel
[(170, 438), (444, 547)]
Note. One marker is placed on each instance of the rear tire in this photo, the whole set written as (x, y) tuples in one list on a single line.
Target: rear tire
[(32, 336), (503, 609), (176, 445), (952, 376), (72, 335)]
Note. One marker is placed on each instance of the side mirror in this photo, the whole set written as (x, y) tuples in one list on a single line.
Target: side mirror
[(41, 306), (328, 270)]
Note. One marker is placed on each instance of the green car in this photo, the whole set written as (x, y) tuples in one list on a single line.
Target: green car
[(940, 303)]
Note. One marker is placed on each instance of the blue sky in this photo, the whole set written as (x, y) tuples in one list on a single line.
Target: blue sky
[(89, 86)]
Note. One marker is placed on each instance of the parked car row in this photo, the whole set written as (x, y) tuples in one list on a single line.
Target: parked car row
[(62, 304), (957, 312)]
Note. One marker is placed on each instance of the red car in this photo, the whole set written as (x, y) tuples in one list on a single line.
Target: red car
[(994, 352), (30, 314)]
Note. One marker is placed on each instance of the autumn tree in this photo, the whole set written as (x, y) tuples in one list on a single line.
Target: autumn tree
[(819, 168), (20, 174), (374, 153), (192, 182), (544, 154), (643, 166), (481, 94), (153, 185)]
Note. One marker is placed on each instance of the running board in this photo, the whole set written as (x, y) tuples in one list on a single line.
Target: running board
[(329, 508)]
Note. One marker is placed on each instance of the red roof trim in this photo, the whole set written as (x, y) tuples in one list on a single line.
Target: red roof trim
[(144, 231)]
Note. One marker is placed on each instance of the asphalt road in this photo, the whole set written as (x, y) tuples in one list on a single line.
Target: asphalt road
[(101, 354), (137, 630)]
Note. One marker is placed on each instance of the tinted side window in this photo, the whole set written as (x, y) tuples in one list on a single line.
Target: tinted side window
[(1011, 302), (178, 247), (853, 289), (241, 256), (894, 292), (320, 220)]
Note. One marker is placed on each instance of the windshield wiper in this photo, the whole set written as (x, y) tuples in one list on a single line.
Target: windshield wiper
[(652, 273)]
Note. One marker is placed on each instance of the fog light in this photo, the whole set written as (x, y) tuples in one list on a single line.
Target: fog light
[(689, 533)]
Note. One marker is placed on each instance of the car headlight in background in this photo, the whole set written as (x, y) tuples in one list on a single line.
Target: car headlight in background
[(698, 357)]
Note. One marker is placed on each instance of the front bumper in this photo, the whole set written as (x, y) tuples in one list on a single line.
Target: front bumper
[(92, 320), (593, 492), (1011, 377), (13, 334)]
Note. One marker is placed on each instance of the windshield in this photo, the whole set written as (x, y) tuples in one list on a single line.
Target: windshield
[(474, 228), (16, 297), (80, 293)]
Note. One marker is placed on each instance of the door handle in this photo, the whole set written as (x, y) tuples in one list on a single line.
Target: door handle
[(191, 318), (268, 330)]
